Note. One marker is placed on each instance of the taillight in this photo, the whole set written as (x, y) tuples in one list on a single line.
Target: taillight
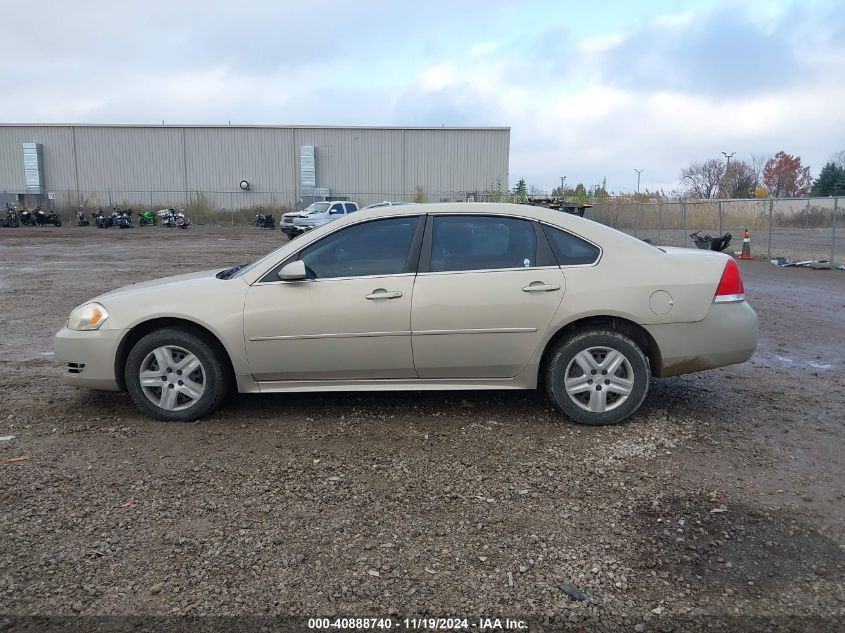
[(730, 288)]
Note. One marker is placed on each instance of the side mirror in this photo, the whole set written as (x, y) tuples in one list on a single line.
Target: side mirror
[(295, 271)]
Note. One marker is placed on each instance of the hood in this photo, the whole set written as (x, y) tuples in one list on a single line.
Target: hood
[(158, 284)]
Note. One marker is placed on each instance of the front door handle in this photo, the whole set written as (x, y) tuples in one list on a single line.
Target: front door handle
[(381, 293), (539, 286)]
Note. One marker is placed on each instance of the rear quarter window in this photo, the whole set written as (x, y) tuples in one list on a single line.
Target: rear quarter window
[(569, 249)]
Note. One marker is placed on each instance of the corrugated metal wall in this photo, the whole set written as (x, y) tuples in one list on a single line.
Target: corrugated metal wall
[(150, 165)]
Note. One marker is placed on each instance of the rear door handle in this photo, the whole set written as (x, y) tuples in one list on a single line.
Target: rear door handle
[(539, 286), (381, 293)]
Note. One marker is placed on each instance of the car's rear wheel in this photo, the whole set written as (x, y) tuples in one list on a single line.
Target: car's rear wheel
[(597, 376), (176, 375)]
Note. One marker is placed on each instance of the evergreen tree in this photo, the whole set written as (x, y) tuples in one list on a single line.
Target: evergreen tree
[(520, 191), (580, 194), (827, 184)]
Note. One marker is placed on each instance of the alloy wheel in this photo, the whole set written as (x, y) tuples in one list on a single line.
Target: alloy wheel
[(172, 378), (599, 379)]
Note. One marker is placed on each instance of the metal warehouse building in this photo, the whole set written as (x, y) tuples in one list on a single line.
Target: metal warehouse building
[(236, 166)]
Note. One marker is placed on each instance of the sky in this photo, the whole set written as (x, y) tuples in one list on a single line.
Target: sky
[(590, 90)]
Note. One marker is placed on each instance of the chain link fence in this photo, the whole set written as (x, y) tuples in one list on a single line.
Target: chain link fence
[(795, 228)]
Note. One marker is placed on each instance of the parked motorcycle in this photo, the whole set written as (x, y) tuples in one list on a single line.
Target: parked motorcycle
[(710, 243), (43, 218), (168, 217), (11, 217), (81, 218), (102, 221), (124, 219), (27, 217), (264, 221), (147, 217)]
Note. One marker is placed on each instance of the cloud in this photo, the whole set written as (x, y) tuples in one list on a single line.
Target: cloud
[(589, 92)]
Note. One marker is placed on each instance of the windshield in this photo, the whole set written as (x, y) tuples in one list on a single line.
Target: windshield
[(317, 207), (237, 271)]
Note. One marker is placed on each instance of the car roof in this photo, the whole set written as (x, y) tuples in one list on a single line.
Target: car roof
[(468, 208), (600, 234)]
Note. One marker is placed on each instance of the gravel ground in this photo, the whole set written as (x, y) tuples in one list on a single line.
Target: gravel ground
[(722, 502)]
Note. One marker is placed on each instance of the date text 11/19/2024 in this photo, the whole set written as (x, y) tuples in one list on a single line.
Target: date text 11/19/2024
[(418, 624)]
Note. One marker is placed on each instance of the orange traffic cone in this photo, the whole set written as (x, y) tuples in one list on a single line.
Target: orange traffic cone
[(746, 246)]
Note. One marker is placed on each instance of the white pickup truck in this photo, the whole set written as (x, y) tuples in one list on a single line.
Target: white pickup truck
[(316, 214)]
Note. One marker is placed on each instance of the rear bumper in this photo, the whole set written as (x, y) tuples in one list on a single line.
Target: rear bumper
[(292, 230), (726, 336), (88, 357)]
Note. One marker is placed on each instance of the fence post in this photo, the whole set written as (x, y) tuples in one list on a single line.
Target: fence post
[(833, 238), (720, 217), (639, 221), (660, 222), (684, 210), (771, 221)]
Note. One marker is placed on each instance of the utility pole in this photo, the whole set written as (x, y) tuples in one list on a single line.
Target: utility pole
[(639, 173), (727, 165), (562, 178)]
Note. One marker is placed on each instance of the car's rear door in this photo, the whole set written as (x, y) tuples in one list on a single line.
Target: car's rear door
[(486, 291), (351, 319)]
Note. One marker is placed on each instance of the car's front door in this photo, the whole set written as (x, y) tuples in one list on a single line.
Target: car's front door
[(485, 294), (350, 319)]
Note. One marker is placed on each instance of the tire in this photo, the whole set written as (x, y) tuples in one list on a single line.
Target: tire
[(204, 388), (595, 349), (57, 222)]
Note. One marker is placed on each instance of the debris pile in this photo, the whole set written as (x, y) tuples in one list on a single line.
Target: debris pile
[(817, 264)]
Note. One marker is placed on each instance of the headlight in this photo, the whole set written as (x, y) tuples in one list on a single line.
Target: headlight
[(88, 317)]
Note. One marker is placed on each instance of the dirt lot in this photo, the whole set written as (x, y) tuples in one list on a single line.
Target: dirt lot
[(722, 502)]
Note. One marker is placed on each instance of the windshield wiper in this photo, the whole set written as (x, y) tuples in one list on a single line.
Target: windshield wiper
[(227, 274)]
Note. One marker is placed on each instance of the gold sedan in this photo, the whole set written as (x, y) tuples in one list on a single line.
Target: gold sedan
[(434, 297)]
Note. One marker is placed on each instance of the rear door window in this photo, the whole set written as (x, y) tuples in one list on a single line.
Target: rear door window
[(569, 249), (478, 242), (351, 207)]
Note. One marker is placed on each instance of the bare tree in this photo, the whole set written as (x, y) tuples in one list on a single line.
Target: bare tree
[(738, 181), (701, 180), (757, 162)]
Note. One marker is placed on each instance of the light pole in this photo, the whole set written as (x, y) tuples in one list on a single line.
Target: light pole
[(727, 165), (562, 178), (639, 173)]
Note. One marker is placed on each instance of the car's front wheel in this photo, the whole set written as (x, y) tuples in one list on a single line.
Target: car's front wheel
[(597, 376), (176, 375)]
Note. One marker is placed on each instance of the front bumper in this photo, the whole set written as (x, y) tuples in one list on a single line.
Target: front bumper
[(726, 336), (88, 357)]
